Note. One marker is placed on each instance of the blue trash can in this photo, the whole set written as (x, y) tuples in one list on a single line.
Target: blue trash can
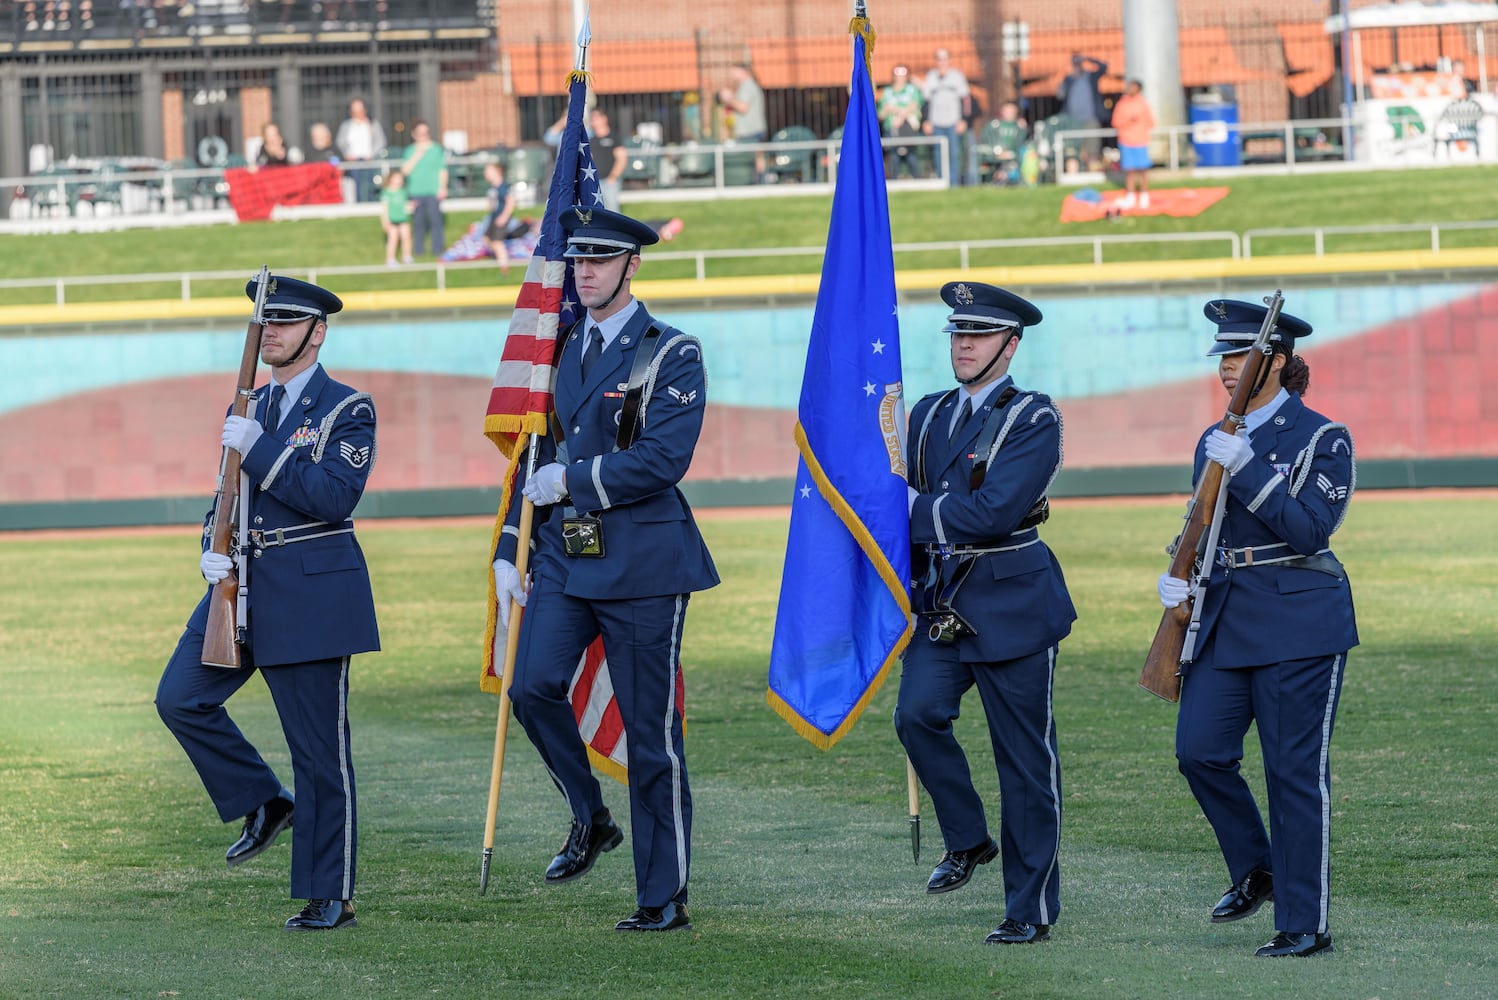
[(1214, 132)]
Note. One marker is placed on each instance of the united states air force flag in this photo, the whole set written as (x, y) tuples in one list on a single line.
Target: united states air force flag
[(844, 612)]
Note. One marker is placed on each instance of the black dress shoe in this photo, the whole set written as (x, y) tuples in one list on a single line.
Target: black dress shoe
[(584, 844), (956, 867), (671, 917), (1243, 899), (1298, 945), (324, 915), (1018, 932), (261, 828)]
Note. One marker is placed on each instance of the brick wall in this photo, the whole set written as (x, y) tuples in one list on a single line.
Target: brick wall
[(480, 107), (173, 143), (255, 110)]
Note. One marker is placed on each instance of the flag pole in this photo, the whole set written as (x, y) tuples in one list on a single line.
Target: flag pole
[(913, 788), (512, 632), (861, 26), (507, 669)]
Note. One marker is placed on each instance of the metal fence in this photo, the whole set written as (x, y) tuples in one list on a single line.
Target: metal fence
[(118, 192), (961, 253)]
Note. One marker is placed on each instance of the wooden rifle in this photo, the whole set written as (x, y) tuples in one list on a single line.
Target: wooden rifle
[(1191, 559), (224, 634)]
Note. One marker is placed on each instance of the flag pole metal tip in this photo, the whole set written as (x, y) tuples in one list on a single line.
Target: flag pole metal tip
[(484, 871), (915, 839), (584, 37)]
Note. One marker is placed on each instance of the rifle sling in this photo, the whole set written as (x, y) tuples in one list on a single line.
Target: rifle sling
[(987, 436), (629, 414), (634, 393), (984, 444)]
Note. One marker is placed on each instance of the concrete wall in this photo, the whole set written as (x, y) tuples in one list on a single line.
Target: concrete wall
[(1409, 368)]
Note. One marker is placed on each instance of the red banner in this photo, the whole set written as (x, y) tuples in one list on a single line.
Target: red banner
[(253, 193)]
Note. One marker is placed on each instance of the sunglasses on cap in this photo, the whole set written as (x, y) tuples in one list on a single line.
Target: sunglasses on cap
[(283, 317)]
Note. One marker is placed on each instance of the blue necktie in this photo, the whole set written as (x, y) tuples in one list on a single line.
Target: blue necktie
[(965, 411), (593, 351), (270, 418)]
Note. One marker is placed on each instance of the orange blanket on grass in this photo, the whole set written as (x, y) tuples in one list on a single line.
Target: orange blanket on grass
[(1178, 202)]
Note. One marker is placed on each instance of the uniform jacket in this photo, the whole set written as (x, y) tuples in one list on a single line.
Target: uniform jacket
[(1016, 600), (652, 547), (1294, 490), (309, 600)]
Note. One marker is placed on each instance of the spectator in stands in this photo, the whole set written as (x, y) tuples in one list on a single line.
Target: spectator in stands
[(608, 157), (1134, 120), (1082, 102), (501, 213), (746, 100), (1459, 69), (273, 151), (425, 167), (360, 139), (321, 149), (900, 108), (1008, 135), (949, 101), (395, 217)]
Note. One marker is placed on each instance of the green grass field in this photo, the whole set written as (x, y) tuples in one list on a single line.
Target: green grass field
[(1255, 202), (112, 881)]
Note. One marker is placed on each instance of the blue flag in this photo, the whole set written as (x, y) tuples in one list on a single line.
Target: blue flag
[(844, 612)]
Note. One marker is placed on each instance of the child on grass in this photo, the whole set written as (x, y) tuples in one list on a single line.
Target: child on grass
[(395, 217)]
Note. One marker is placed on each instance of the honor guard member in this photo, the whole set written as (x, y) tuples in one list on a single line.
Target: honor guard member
[(616, 553), (992, 606), (1276, 625), (307, 456)]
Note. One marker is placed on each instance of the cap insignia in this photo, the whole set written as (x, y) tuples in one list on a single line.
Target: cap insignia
[(585, 216), (1220, 309), (963, 294)]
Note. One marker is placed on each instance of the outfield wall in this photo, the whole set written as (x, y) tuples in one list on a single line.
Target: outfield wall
[(106, 423)]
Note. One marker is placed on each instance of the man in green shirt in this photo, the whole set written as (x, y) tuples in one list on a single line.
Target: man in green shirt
[(900, 112), (425, 167)]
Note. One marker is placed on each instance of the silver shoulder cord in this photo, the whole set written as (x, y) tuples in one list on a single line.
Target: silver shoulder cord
[(1188, 648), (242, 600)]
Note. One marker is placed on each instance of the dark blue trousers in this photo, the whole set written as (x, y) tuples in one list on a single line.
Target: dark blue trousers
[(312, 701), (642, 641), (1016, 697), (1294, 705)]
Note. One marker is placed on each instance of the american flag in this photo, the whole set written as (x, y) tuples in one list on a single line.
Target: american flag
[(521, 400)]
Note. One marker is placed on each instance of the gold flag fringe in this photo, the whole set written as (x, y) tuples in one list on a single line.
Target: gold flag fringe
[(870, 547)]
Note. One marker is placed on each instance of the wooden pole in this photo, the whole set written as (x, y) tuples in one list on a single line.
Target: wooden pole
[(502, 727), (913, 788)]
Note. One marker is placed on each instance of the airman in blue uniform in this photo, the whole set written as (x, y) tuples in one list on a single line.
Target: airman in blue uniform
[(992, 606), (616, 553), (1276, 625), (307, 458)]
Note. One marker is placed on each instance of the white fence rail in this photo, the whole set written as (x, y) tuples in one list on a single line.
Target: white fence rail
[(1318, 234), (1236, 246), (961, 250)]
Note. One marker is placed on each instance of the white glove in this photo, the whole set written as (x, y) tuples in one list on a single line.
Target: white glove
[(214, 566), (1230, 451), (1172, 590), (547, 485), (910, 500), (241, 433), (507, 587)]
